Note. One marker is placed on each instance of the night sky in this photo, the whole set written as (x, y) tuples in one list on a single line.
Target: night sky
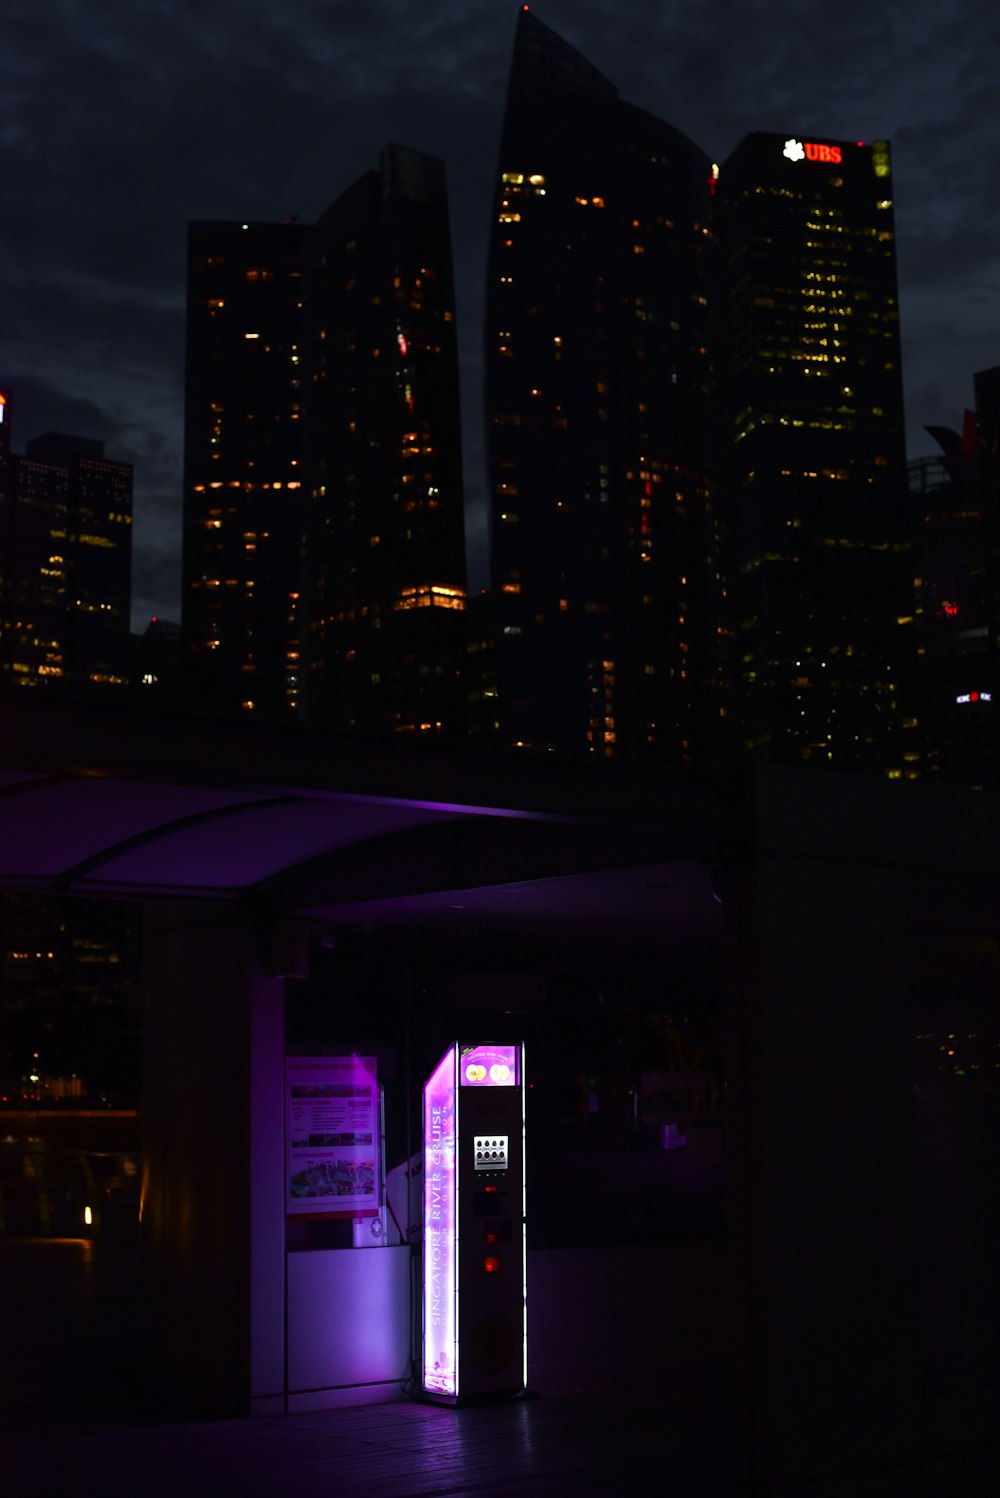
[(120, 120)]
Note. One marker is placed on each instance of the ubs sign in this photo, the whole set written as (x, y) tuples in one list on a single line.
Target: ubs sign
[(797, 150)]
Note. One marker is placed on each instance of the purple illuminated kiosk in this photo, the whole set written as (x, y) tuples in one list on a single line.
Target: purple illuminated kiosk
[(475, 1305)]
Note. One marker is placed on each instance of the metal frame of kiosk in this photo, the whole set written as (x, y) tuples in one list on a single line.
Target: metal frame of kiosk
[(475, 1336)]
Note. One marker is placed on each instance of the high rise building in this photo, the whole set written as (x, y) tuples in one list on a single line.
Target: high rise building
[(324, 553), (385, 540), (65, 562), (607, 544), (243, 476), (956, 504), (68, 981), (814, 390)]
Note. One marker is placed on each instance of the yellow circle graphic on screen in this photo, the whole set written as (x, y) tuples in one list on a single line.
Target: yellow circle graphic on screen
[(475, 1073)]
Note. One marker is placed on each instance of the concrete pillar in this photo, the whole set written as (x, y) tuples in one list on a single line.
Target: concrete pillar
[(821, 1126), (213, 1206), (267, 1194)]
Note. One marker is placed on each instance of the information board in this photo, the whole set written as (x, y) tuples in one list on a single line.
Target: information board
[(332, 1133)]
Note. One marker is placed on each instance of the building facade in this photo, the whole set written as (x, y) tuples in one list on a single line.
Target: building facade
[(65, 562), (324, 554), (815, 408), (385, 537), (956, 506), (243, 477), (68, 981), (606, 518)]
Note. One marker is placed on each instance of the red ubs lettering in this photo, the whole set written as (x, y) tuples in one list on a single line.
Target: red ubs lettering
[(816, 152)]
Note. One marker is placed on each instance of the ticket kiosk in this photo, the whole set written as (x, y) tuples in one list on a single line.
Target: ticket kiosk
[(474, 1291)]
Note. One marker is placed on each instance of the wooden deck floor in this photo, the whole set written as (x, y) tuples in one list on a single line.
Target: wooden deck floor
[(76, 1423), (537, 1450), (75, 1418)]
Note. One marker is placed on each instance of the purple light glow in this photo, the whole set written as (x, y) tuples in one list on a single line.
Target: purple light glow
[(490, 1066), (440, 1372)]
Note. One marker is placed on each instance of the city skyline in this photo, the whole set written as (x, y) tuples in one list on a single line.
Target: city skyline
[(157, 127)]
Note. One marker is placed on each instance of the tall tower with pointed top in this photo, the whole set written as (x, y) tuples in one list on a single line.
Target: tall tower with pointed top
[(606, 518)]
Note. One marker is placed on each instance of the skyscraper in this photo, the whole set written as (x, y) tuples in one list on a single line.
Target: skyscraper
[(67, 970), (65, 562), (606, 527), (956, 502), (814, 392), (243, 476), (324, 553), (385, 541)]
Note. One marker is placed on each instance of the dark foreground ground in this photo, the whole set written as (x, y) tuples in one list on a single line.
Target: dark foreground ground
[(76, 1420)]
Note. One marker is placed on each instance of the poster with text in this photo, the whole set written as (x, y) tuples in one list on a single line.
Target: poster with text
[(332, 1133)]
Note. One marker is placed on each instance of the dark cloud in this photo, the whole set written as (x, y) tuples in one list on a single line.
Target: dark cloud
[(42, 407), (121, 120), (156, 586)]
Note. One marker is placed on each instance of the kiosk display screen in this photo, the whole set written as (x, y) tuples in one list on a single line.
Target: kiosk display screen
[(490, 1066)]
